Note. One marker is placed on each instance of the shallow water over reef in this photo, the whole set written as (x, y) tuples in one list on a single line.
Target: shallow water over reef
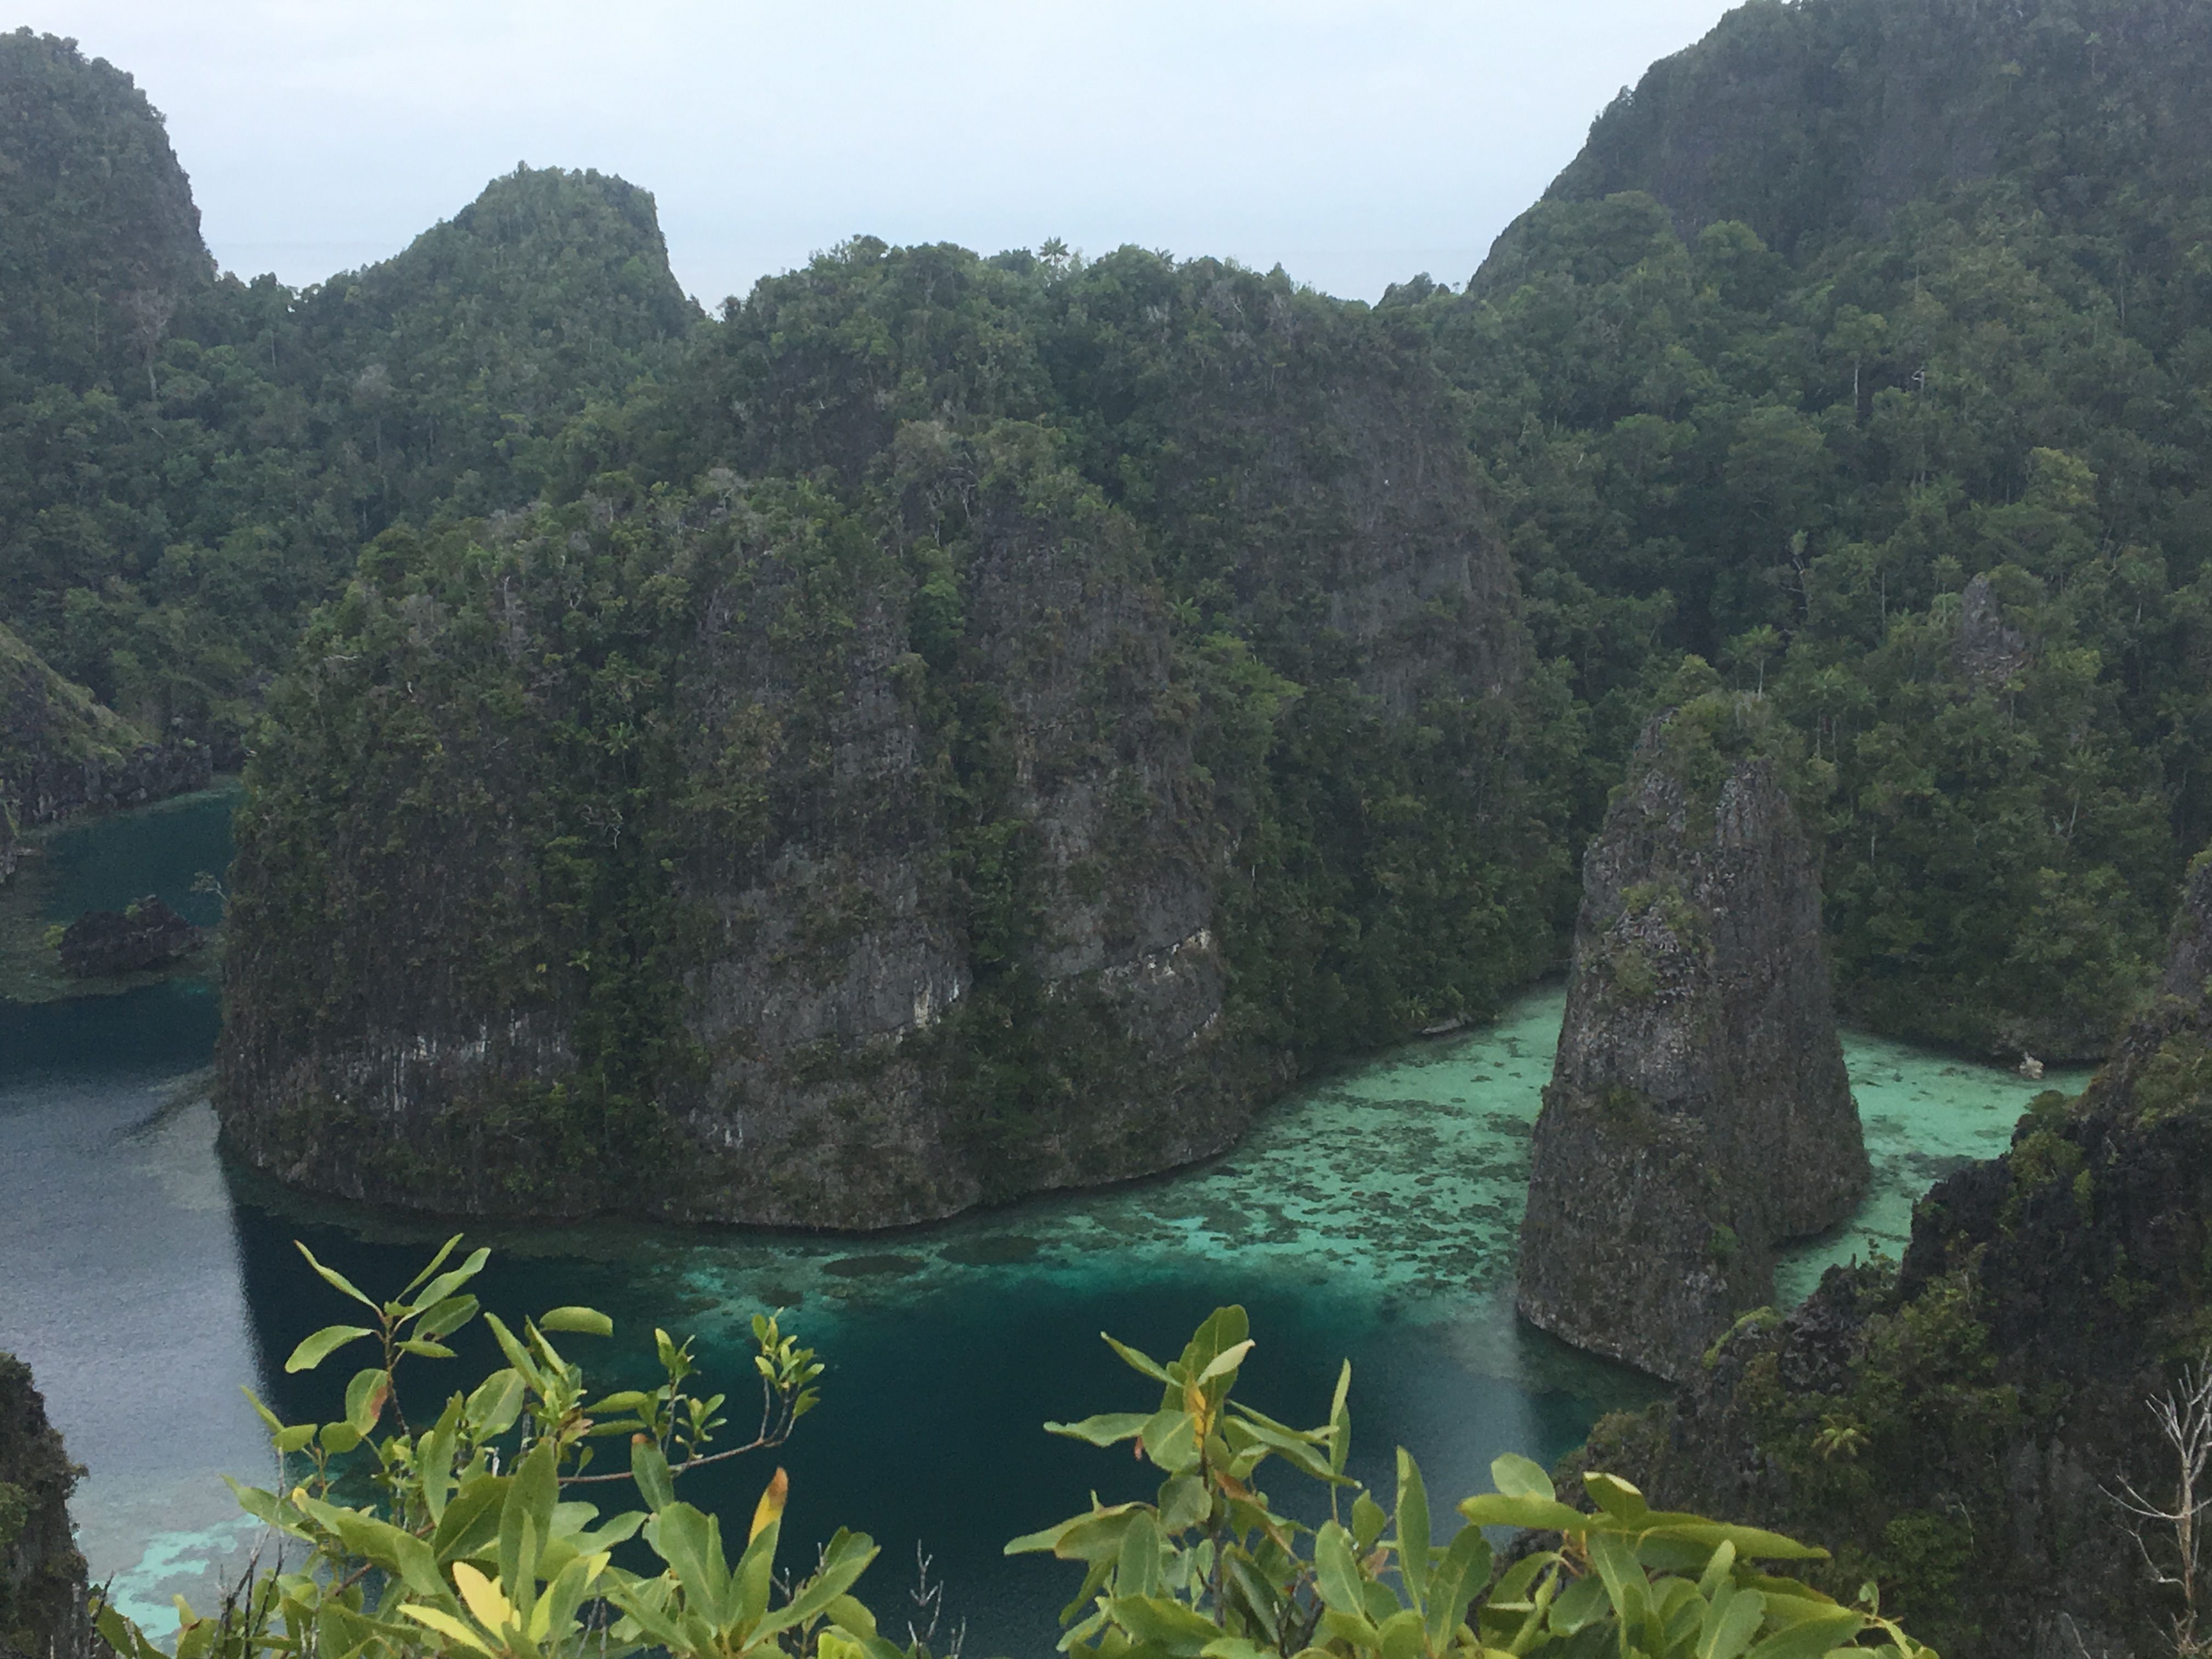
[(1370, 1216)]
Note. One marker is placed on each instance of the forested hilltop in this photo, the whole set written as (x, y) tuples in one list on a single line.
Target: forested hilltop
[(189, 462)]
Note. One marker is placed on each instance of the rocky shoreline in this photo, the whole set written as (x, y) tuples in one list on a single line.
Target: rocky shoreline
[(51, 789)]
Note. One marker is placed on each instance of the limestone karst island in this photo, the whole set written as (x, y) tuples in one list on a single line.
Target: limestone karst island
[(1574, 904)]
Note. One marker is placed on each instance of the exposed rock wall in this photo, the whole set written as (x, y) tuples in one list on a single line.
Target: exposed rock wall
[(866, 887), (843, 933), (1338, 507), (1990, 650), (62, 752), (42, 1576), (49, 787), (1698, 1111), (1953, 1426)]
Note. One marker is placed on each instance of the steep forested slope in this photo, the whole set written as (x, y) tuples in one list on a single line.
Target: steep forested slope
[(1919, 449), (452, 368), (1815, 121), (102, 240)]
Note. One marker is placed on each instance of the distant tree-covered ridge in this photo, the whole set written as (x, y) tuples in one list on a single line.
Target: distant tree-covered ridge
[(102, 242), (1816, 121), (189, 462)]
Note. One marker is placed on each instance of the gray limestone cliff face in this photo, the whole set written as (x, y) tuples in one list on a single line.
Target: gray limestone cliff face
[(1990, 650), (1699, 1111), (1353, 528), (842, 960), (907, 876), (832, 946), (2188, 975)]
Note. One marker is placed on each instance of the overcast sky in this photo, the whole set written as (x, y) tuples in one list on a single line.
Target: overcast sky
[(1353, 141)]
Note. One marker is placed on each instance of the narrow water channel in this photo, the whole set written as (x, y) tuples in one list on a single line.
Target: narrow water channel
[(1371, 1215)]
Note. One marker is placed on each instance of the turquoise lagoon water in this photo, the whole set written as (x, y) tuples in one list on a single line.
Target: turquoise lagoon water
[(1371, 1216)]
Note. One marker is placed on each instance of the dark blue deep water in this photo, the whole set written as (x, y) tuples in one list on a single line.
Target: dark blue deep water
[(1370, 1218)]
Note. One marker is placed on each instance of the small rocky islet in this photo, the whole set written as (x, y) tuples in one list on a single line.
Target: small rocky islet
[(1699, 1113), (147, 933), (1972, 1403)]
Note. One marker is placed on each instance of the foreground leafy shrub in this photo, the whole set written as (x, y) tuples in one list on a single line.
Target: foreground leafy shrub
[(472, 1539)]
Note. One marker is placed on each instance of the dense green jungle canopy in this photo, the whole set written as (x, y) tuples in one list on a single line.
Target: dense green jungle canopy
[(1863, 354), (1985, 354)]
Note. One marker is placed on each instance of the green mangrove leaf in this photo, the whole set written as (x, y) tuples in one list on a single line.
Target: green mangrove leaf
[(1497, 1509), (581, 1321), (1337, 1569), (1810, 1638), (1614, 1495), (1412, 1529), (1108, 1428), (1143, 1363), (1164, 1624), (648, 1466), (1519, 1477), (336, 1280), (313, 1349)]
